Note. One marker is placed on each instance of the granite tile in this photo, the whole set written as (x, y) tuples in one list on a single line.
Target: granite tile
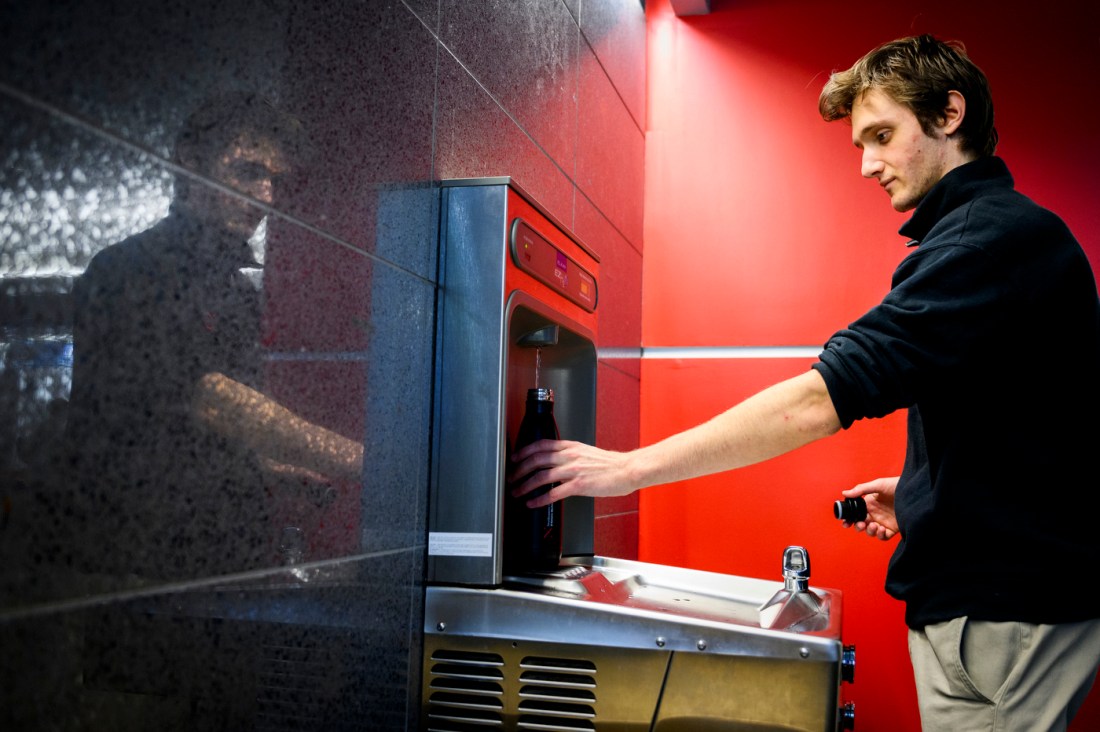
[(346, 89), (525, 56), (610, 151), (269, 652), (427, 11), (617, 411), (137, 69), (620, 287), (617, 536), (67, 191), (617, 505), (361, 78), (616, 32), (476, 138)]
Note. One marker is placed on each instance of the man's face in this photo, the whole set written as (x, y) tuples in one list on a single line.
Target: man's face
[(250, 165), (896, 152)]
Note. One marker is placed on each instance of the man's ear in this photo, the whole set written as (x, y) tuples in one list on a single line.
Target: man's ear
[(186, 157), (953, 112)]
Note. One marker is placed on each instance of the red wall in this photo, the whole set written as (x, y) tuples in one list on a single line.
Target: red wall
[(759, 230)]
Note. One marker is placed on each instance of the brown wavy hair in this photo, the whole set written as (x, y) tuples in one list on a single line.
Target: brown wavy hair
[(918, 72)]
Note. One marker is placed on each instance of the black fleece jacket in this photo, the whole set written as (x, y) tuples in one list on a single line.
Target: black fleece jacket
[(990, 336)]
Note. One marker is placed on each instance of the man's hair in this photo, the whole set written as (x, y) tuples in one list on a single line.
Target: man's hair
[(918, 72), (222, 118)]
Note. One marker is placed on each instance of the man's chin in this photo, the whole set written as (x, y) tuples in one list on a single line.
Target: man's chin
[(244, 228), (901, 205)]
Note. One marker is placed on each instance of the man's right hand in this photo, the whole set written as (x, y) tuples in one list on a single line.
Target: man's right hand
[(881, 522)]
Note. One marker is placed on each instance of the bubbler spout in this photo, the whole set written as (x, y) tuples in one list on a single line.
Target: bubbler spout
[(795, 604)]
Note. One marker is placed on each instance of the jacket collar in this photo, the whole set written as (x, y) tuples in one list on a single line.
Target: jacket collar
[(961, 185), (197, 242)]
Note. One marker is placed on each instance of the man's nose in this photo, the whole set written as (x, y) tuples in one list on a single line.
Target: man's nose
[(870, 165), (263, 189)]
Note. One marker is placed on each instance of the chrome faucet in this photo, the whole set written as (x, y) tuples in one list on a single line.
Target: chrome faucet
[(795, 604)]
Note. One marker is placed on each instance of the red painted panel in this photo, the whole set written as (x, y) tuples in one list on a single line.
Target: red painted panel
[(760, 231)]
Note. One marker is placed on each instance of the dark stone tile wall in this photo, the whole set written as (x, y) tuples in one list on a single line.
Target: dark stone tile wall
[(218, 237)]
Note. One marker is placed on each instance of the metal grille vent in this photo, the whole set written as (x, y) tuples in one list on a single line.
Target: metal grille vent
[(557, 694), (467, 691)]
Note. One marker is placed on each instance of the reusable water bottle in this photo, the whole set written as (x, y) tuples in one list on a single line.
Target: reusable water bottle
[(532, 537)]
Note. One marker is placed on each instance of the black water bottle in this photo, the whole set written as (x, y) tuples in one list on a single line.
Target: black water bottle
[(532, 537)]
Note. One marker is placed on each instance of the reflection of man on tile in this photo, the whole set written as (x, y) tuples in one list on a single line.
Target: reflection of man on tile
[(172, 436)]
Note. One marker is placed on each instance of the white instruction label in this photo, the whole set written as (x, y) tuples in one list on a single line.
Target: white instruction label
[(456, 544)]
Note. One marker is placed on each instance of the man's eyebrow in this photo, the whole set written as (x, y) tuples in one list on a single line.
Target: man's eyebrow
[(867, 128), (857, 135)]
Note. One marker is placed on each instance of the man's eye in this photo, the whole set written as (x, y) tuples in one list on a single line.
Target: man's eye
[(247, 171), (882, 137)]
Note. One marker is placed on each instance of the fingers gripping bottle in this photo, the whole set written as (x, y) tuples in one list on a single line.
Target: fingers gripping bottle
[(532, 537)]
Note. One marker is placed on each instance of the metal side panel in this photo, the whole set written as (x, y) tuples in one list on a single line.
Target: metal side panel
[(498, 660), (709, 693), (464, 518)]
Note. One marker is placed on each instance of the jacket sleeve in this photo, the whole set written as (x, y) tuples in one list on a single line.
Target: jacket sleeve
[(938, 318)]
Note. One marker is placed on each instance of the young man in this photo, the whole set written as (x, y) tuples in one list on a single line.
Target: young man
[(990, 338), (174, 446)]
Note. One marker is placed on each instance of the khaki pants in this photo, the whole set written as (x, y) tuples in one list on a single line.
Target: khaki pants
[(975, 675)]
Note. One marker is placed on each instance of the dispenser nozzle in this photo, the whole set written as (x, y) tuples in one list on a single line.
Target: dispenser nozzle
[(545, 336)]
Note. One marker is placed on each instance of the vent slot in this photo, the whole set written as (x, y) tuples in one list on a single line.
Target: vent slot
[(471, 657), (467, 701), (570, 664), (566, 710), (563, 680), (559, 725), (469, 685), (558, 694), (467, 672)]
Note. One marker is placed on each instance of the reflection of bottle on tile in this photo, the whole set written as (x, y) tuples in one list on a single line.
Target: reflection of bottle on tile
[(292, 547), (532, 537)]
